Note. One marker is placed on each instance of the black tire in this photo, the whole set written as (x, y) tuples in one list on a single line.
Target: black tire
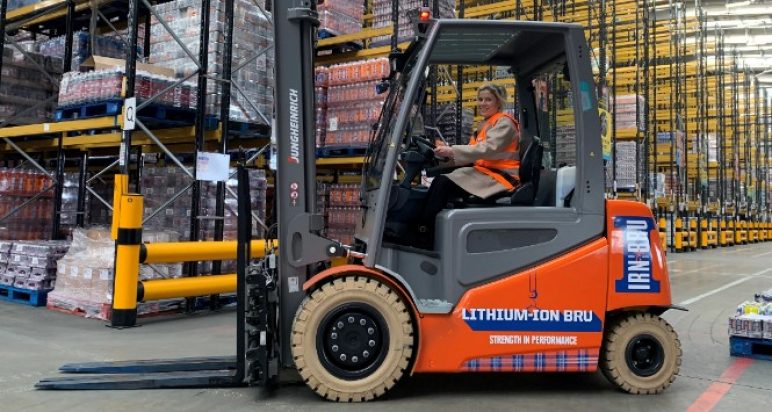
[(641, 354), (380, 310)]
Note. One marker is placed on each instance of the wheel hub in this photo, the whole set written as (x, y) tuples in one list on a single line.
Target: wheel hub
[(352, 340), (644, 355)]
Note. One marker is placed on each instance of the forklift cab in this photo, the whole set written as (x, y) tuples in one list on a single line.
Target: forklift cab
[(477, 243)]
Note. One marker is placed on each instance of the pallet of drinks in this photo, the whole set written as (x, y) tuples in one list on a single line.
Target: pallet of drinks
[(750, 329), (84, 284)]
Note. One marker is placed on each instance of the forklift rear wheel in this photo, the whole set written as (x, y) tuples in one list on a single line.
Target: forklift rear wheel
[(641, 354), (352, 339)]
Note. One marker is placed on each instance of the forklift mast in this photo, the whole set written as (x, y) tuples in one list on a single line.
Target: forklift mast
[(294, 26)]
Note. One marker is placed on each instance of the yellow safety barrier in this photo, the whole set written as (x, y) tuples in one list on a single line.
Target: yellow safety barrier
[(184, 287), (679, 235), (740, 234), (663, 232), (704, 234), (195, 251), (730, 240), (723, 238), (692, 234), (713, 232), (129, 239)]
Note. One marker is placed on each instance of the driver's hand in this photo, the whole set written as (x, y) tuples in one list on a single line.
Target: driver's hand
[(444, 151), (439, 142)]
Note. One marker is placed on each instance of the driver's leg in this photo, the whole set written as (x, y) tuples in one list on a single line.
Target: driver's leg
[(440, 192)]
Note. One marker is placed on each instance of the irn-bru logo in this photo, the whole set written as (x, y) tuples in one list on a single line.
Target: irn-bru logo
[(637, 262)]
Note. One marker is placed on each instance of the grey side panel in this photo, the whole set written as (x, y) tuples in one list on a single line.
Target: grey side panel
[(412, 268), (469, 268)]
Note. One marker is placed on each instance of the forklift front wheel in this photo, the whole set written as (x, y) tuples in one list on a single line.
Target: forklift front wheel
[(641, 354), (352, 339)]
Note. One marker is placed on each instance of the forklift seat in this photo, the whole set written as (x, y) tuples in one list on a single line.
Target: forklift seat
[(529, 174)]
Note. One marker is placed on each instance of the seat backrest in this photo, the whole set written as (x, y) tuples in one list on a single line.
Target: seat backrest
[(530, 162), (564, 184), (545, 195)]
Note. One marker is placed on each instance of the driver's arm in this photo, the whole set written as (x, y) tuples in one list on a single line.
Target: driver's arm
[(496, 141)]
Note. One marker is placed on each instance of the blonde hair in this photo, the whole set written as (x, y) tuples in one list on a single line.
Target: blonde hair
[(499, 91)]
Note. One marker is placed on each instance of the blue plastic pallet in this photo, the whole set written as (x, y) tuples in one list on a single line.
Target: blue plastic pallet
[(340, 151), (155, 115), (23, 296), (750, 347)]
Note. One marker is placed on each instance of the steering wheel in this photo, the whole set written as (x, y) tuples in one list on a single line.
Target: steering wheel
[(426, 148)]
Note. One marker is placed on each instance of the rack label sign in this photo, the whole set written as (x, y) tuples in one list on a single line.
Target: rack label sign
[(130, 113), (636, 252)]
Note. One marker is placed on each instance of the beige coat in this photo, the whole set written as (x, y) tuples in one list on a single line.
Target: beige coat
[(498, 137)]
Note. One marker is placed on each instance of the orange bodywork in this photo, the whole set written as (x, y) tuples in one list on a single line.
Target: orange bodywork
[(549, 318)]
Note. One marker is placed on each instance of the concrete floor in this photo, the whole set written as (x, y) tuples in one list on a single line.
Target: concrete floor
[(35, 341)]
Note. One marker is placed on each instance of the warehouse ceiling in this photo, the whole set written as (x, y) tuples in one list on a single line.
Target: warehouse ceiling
[(747, 29)]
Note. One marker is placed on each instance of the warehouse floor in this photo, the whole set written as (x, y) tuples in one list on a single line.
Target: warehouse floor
[(35, 341)]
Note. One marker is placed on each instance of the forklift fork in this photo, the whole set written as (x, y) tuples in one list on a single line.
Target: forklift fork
[(196, 372)]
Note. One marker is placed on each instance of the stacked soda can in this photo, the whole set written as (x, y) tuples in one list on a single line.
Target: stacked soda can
[(338, 17), (33, 221), (382, 17), (353, 102), (252, 100), (321, 84), (343, 211)]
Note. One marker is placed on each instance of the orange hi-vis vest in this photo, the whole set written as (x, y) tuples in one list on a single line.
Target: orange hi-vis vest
[(505, 170)]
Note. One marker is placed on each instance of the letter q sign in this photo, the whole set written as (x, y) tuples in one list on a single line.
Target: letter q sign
[(130, 113)]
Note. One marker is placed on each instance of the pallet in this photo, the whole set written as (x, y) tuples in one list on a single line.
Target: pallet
[(337, 48), (98, 310), (243, 130), (23, 296), (340, 151), (154, 115), (750, 347)]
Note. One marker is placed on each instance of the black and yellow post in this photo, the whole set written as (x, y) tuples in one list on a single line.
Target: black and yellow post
[(663, 232), (730, 232), (127, 249), (704, 233), (713, 232), (693, 234), (754, 231), (678, 245)]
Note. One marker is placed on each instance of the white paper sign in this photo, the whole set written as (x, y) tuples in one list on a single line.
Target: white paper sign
[(130, 113), (212, 167)]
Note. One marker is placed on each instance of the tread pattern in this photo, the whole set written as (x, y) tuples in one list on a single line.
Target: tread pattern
[(614, 366), (326, 298)]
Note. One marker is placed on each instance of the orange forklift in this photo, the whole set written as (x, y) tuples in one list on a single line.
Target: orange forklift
[(551, 278)]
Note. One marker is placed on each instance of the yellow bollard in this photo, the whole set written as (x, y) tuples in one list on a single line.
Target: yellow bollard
[(722, 240), (692, 234), (663, 232), (731, 233), (704, 234), (129, 239), (679, 235)]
